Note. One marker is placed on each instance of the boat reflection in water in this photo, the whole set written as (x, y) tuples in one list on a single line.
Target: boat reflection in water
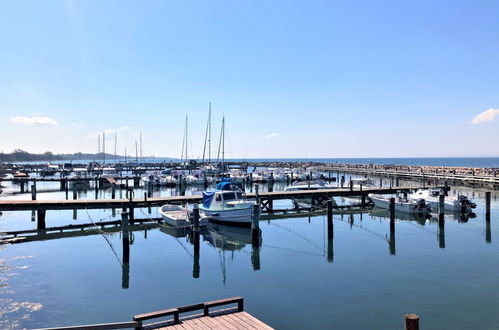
[(224, 238), (420, 218)]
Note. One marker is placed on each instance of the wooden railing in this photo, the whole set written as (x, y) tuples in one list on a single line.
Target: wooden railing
[(190, 308), (138, 319)]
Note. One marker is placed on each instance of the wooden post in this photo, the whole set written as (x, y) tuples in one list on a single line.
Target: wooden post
[(392, 214), (330, 224), (488, 234), (255, 225), (33, 192), (113, 190), (441, 204), (411, 322), (21, 186), (41, 220), (351, 184), (381, 182), (195, 217), (487, 203), (96, 188), (441, 231), (136, 181), (126, 250)]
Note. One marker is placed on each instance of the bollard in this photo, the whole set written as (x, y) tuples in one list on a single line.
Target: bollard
[(411, 322)]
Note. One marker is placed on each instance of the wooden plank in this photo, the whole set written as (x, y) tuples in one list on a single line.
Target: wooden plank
[(103, 326)]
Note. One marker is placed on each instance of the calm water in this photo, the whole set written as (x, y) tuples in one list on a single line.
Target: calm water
[(363, 278)]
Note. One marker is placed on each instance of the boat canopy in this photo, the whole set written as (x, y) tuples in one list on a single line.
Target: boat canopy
[(226, 185), (207, 198)]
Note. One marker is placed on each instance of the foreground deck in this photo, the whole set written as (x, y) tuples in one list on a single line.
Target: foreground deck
[(224, 319)]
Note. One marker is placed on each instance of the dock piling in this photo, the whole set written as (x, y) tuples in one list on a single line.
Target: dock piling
[(41, 219), (411, 322), (126, 250), (33, 192), (487, 203)]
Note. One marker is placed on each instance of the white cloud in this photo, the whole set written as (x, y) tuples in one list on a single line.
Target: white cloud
[(76, 125), (33, 121), (272, 135), (108, 131), (487, 115)]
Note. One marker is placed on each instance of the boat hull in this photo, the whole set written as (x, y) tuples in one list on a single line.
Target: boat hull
[(239, 216), (399, 206)]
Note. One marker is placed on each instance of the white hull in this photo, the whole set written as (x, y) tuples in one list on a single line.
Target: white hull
[(410, 207), (175, 216), (237, 216)]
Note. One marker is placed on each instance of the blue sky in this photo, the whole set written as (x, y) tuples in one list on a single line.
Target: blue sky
[(294, 79)]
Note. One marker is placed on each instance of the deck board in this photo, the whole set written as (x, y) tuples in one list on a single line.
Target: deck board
[(220, 320)]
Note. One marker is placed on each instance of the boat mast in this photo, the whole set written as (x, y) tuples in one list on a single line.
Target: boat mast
[(115, 146), (104, 147), (221, 143), (136, 153), (141, 155), (98, 146), (207, 137)]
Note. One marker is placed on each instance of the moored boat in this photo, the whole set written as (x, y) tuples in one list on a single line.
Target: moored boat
[(228, 204), (458, 203), (402, 203)]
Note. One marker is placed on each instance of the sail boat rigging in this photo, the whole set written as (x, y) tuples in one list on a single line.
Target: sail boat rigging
[(207, 138), (221, 144)]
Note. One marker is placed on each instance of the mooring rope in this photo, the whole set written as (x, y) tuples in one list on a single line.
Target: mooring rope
[(103, 234)]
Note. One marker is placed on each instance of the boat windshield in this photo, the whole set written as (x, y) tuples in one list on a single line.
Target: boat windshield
[(229, 196)]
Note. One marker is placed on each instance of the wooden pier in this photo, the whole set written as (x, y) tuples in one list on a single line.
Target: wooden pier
[(317, 196), (227, 318), (418, 174)]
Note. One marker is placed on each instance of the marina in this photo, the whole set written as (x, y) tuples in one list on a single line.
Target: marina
[(249, 165), (131, 222)]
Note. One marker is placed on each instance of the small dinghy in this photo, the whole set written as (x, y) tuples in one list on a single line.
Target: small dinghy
[(178, 216)]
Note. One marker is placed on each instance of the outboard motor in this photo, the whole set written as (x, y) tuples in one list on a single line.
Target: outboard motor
[(465, 203), (422, 205)]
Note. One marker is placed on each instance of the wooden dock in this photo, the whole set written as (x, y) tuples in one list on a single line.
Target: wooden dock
[(228, 318), (266, 199), (416, 173)]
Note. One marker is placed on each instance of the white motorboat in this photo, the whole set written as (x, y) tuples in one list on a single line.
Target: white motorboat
[(228, 204), (308, 185), (178, 216), (50, 169), (359, 182), (155, 178), (79, 178), (402, 203), (109, 172), (459, 203)]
